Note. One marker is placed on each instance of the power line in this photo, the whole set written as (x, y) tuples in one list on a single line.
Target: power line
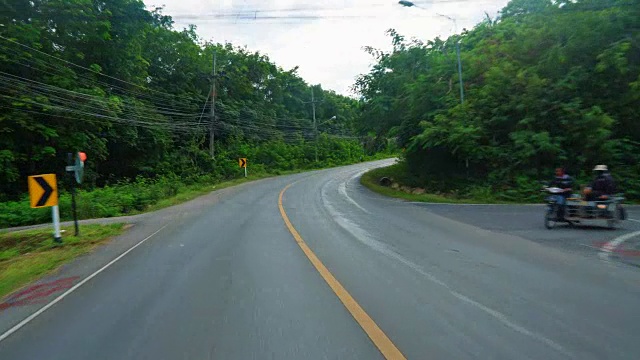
[(135, 120), (32, 84), (285, 10), (50, 92), (201, 18), (253, 14), (251, 120), (49, 114), (265, 137), (261, 128), (121, 115), (262, 133), (87, 69), (83, 79), (102, 116), (58, 101), (160, 109), (203, 108)]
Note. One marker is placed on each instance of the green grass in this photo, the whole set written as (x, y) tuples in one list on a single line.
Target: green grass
[(371, 179), (28, 255)]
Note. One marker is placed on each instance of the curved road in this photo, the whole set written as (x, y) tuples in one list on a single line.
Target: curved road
[(349, 275)]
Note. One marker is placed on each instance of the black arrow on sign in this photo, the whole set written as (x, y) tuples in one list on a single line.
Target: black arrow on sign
[(244, 162), (48, 190)]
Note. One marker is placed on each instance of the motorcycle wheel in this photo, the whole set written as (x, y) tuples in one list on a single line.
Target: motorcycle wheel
[(551, 218), (622, 212)]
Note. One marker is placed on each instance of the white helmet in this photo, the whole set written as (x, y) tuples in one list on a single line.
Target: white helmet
[(601, 168)]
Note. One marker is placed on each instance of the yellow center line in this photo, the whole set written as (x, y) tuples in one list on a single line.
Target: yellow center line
[(379, 338)]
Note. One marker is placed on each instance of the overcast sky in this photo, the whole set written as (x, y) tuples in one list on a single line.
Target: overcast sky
[(323, 38)]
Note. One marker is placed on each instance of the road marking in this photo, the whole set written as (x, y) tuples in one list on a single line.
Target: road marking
[(634, 220), (592, 247), (608, 248), (377, 336), (364, 237), (505, 320), (342, 188), (74, 288)]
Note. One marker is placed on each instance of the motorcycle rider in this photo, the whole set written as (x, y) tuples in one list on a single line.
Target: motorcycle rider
[(565, 182), (602, 185)]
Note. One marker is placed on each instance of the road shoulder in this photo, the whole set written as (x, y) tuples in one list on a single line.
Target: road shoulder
[(142, 227)]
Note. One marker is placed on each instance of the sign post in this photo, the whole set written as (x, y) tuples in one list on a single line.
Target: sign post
[(55, 215), (243, 163), (78, 172), (43, 192)]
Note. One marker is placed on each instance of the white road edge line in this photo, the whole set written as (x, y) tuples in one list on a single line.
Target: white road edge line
[(342, 188), (75, 287), (364, 237), (608, 248)]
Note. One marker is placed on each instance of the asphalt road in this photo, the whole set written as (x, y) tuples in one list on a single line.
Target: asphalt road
[(526, 221), (224, 278)]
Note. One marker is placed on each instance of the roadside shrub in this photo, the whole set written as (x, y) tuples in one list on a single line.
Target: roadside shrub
[(124, 197), (19, 213)]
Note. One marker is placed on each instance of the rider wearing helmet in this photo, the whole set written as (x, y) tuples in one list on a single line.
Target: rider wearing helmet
[(602, 185)]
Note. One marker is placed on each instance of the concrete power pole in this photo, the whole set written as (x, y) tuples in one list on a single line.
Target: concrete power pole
[(455, 29), (315, 127), (212, 134), (459, 65), (407, 3)]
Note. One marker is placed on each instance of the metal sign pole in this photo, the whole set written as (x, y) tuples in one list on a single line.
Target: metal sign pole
[(73, 196), (245, 171), (55, 213), (74, 208)]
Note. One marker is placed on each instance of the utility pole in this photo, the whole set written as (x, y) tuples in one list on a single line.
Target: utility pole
[(315, 127), (455, 29), (459, 65), (460, 74), (407, 3), (212, 134)]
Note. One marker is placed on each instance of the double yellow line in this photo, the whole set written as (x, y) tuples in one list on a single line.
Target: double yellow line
[(379, 338)]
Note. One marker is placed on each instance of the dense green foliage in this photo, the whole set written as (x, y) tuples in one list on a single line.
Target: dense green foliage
[(399, 175), (547, 83), (128, 197), (118, 82)]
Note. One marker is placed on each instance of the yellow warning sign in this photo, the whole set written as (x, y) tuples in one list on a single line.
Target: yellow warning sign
[(43, 190), (242, 162)]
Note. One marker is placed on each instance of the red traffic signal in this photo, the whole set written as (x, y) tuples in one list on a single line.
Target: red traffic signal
[(82, 156)]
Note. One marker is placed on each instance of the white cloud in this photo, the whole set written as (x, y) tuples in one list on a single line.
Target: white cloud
[(324, 39)]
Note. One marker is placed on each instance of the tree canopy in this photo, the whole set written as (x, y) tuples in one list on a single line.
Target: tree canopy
[(546, 83), (119, 82)]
